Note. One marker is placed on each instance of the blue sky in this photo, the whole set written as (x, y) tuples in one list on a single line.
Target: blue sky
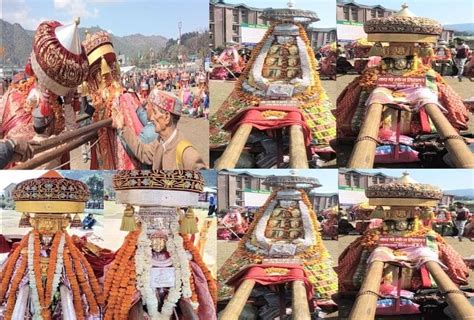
[(326, 177), (444, 11), (326, 9), (446, 179), (121, 17)]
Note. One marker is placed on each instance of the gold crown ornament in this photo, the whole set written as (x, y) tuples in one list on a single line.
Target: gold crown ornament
[(404, 192), (51, 199), (403, 26)]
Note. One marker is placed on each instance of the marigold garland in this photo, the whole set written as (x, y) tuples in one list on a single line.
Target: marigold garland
[(99, 296), (7, 271), (82, 278), (317, 252), (45, 311), (52, 267), (119, 281), (76, 292), (14, 287)]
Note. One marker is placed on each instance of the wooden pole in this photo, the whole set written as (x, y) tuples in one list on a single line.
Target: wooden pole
[(203, 235), (233, 310), (457, 301), (232, 153), (55, 153), (298, 156), (366, 302), (363, 154), (70, 135), (300, 308), (457, 148)]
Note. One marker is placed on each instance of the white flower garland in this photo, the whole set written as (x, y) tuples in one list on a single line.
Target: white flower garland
[(142, 264), (179, 260), (32, 280), (183, 260), (59, 266), (31, 274)]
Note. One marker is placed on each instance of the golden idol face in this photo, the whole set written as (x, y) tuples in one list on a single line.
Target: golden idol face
[(400, 63)]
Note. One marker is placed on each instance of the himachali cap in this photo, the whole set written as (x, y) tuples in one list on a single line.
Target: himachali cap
[(404, 192), (58, 59), (165, 101)]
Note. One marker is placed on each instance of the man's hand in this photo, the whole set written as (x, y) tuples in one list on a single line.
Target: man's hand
[(23, 150), (117, 119)]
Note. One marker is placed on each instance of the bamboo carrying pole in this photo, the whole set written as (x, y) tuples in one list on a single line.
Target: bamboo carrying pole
[(363, 154), (232, 153), (300, 301), (366, 302), (70, 135), (55, 153), (457, 301), (457, 148), (298, 156), (233, 310)]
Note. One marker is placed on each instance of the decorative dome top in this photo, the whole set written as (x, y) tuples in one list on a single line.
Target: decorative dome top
[(404, 192), (51, 193), (289, 15), (58, 59), (292, 181), (403, 26), (158, 187)]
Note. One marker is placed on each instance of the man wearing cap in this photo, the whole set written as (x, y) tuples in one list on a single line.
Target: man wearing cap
[(170, 150)]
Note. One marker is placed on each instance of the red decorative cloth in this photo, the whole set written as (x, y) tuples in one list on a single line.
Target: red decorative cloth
[(5, 246), (255, 117), (98, 260), (263, 275), (347, 264), (458, 114), (457, 268), (206, 310)]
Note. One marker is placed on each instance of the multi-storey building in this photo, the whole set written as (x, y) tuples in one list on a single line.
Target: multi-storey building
[(322, 201), (321, 36), (240, 189), (225, 20)]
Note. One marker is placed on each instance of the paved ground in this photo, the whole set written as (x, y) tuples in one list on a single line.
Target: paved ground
[(107, 232)]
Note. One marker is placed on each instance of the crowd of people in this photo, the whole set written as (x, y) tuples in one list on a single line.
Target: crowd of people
[(190, 86)]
